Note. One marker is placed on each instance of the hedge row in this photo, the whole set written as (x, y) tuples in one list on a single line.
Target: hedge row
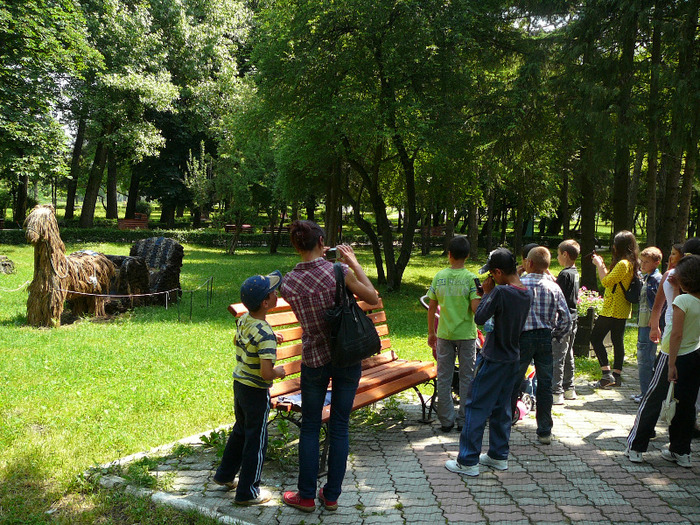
[(219, 239), (211, 238)]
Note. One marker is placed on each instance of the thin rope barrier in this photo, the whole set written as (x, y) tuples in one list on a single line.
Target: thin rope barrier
[(16, 289)]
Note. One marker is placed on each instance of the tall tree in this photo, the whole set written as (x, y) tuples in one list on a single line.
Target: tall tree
[(42, 42)]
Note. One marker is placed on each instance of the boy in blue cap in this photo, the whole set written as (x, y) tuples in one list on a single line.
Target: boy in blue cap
[(256, 352)]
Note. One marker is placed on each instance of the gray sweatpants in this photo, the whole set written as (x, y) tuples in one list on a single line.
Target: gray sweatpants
[(563, 357), (465, 352)]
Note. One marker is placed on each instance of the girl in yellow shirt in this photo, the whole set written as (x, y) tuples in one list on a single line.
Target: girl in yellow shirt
[(616, 309)]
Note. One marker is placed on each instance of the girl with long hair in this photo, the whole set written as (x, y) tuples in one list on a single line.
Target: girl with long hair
[(616, 308)]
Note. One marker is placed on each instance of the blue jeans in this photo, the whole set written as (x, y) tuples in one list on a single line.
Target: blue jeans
[(646, 355), (314, 385), (489, 399), (536, 345)]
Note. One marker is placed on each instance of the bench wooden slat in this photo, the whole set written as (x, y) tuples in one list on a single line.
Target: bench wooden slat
[(385, 390), (284, 387)]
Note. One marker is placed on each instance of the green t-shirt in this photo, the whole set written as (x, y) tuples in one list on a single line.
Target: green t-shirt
[(691, 327), (454, 291)]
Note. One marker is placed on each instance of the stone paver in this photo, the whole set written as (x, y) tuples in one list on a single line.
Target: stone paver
[(396, 474)]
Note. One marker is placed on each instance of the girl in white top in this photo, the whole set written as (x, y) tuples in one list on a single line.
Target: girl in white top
[(682, 342)]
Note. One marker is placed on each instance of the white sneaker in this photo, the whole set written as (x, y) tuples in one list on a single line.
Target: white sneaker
[(453, 466), (682, 460), (570, 394), (635, 457), (263, 497), (558, 399), (545, 440), (498, 464)]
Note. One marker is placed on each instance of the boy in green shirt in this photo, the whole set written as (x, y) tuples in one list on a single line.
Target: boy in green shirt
[(454, 290)]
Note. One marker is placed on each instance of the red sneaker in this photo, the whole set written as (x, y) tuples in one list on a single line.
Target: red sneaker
[(330, 505), (294, 500)]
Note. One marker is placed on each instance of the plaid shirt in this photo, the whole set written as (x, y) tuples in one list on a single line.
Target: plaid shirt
[(549, 309), (310, 290)]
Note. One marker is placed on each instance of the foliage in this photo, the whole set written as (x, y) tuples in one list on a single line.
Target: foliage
[(588, 299)]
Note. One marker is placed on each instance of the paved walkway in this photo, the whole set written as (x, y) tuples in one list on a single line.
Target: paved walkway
[(396, 474)]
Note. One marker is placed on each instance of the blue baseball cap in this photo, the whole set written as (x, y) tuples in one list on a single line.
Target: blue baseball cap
[(256, 288)]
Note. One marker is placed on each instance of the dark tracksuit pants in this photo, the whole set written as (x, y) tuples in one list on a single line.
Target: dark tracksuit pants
[(247, 444)]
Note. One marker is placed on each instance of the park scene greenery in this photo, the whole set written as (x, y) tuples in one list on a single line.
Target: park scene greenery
[(394, 123)]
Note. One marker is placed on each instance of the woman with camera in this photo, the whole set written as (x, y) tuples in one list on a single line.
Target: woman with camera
[(310, 290), (616, 308)]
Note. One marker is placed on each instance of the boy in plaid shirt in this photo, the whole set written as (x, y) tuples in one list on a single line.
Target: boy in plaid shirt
[(549, 316)]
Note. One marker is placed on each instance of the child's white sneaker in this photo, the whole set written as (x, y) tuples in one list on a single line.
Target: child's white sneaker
[(468, 470), (682, 460), (570, 394), (498, 464), (634, 456)]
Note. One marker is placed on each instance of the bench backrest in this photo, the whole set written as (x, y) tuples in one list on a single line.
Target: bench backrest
[(284, 322)]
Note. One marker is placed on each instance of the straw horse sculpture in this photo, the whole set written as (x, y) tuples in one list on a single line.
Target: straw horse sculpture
[(57, 275)]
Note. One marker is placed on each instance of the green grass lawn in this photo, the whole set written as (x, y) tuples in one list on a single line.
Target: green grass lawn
[(94, 391)]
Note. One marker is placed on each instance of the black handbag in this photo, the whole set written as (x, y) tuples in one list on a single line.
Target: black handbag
[(353, 335)]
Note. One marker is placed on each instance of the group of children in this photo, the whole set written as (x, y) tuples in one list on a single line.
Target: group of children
[(534, 318)]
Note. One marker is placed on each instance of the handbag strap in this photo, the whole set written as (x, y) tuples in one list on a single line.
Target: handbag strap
[(669, 395), (339, 283)]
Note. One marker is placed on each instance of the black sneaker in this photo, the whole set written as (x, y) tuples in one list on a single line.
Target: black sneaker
[(606, 381), (447, 428)]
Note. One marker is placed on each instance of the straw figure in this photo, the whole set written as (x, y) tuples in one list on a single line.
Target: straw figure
[(57, 275)]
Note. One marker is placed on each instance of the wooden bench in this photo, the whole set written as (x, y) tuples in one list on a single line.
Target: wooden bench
[(230, 228), (139, 222), (383, 375)]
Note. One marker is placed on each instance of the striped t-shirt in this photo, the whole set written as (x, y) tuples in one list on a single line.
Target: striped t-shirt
[(254, 341)]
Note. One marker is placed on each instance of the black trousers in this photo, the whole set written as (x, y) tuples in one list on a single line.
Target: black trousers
[(616, 327), (246, 446), (650, 406), (680, 432)]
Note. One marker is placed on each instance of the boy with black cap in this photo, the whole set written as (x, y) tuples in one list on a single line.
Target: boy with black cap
[(256, 352), (496, 367)]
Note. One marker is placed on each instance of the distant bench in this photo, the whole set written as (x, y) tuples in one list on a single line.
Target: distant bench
[(383, 375), (139, 222), (230, 228)]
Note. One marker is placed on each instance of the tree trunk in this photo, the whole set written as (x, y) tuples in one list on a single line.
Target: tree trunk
[(686, 191), (449, 219), (490, 217), (518, 224), (504, 222), (588, 213), (72, 186), (634, 183), (473, 229), (277, 229), (111, 185), (19, 210), (425, 233), (333, 211), (87, 213), (133, 197), (653, 122), (167, 215), (621, 213), (310, 208)]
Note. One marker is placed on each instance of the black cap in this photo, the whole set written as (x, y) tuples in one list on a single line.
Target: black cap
[(692, 246), (501, 259), (526, 249)]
